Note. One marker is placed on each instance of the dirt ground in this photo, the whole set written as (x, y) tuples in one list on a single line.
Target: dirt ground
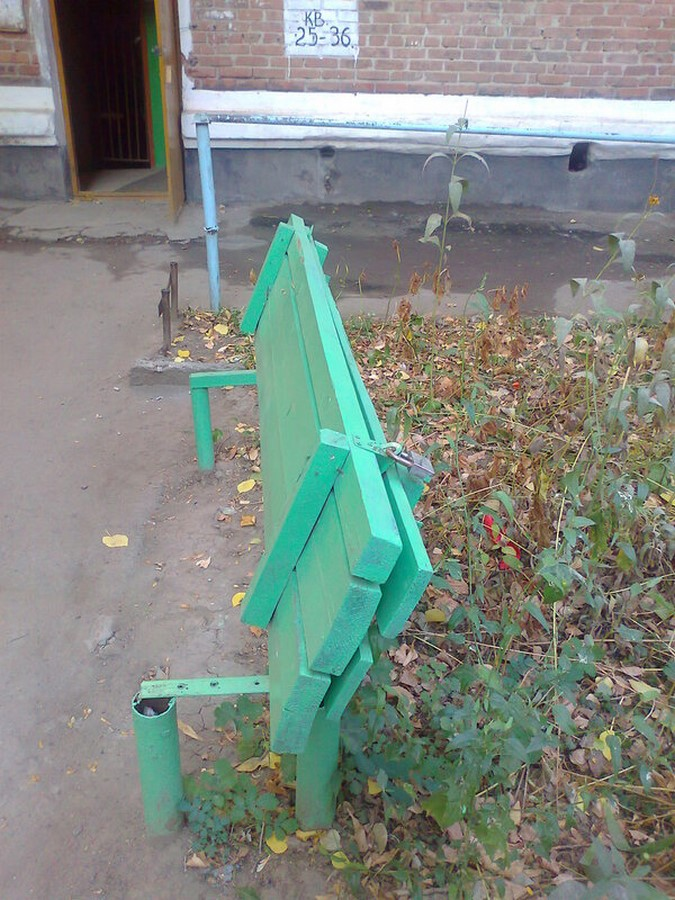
[(84, 454)]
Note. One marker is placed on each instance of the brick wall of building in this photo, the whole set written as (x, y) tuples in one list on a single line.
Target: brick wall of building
[(529, 48), (18, 58)]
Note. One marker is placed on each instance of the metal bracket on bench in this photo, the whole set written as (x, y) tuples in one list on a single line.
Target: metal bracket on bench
[(419, 467), (205, 687)]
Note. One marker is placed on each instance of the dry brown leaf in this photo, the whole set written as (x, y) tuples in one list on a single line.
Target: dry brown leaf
[(380, 836), (188, 731)]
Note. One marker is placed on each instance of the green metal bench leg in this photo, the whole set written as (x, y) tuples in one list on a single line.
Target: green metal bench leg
[(200, 382), (159, 764), (317, 779), (201, 415)]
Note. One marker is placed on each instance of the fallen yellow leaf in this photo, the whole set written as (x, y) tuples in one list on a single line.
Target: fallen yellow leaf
[(246, 521), (374, 788), (238, 597), (434, 615), (640, 351), (244, 486), (115, 540), (600, 743), (276, 845), (183, 354), (221, 329), (253, 763), (188, 731), (339, 860), (305, 835), (274, 760)]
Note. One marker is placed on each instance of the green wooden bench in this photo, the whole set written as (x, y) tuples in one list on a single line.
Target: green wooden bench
[(343, 552)]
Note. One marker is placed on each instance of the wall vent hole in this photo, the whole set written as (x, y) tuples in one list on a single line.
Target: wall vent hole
[(579, 157), (327, 152)]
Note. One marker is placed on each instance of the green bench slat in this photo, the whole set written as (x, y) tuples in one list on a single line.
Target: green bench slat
[(343, 687), (286, 399), (412, 571), (370, 531), (303, 508), (336, 608), (272, 464), (266, 277), (295, 692)]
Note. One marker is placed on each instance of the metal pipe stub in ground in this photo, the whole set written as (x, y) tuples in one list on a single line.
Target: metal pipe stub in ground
[(156, 729)]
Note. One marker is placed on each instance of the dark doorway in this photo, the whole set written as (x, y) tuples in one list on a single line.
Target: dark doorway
[(113, 96)]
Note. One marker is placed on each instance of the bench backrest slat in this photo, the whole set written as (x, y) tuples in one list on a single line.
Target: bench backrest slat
[(288, 417), (372, 540), (268, 275)]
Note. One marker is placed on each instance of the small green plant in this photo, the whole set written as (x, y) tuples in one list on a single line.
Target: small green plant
[(223, 803), (437, 224)]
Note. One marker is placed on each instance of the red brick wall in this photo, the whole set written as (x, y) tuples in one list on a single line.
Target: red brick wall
[(532, 48), (18, 58)]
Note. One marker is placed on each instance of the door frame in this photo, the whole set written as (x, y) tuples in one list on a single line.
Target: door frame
[(165, 12)]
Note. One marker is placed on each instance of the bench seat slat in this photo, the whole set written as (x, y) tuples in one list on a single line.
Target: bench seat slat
[(412, 572), (336, 608), (295, 692), (343, 687)]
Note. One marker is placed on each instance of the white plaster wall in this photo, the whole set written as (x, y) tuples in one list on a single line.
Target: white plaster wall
[(27, 116), (554, 116), (28, 112)]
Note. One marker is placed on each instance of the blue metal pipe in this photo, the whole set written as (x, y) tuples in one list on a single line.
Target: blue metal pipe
[(210, 214), (440, 129)]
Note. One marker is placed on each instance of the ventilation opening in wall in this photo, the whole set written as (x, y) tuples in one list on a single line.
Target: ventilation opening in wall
[(327, 152), (579, 157)]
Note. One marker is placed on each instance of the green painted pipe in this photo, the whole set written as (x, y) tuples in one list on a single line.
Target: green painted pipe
[(159, 763)]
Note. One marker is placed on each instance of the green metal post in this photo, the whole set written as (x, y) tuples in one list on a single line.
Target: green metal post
[(158, 763), (201, 415), (317, 779)]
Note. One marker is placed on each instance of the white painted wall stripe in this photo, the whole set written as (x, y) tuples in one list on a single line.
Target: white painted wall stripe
[(634, 117)]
